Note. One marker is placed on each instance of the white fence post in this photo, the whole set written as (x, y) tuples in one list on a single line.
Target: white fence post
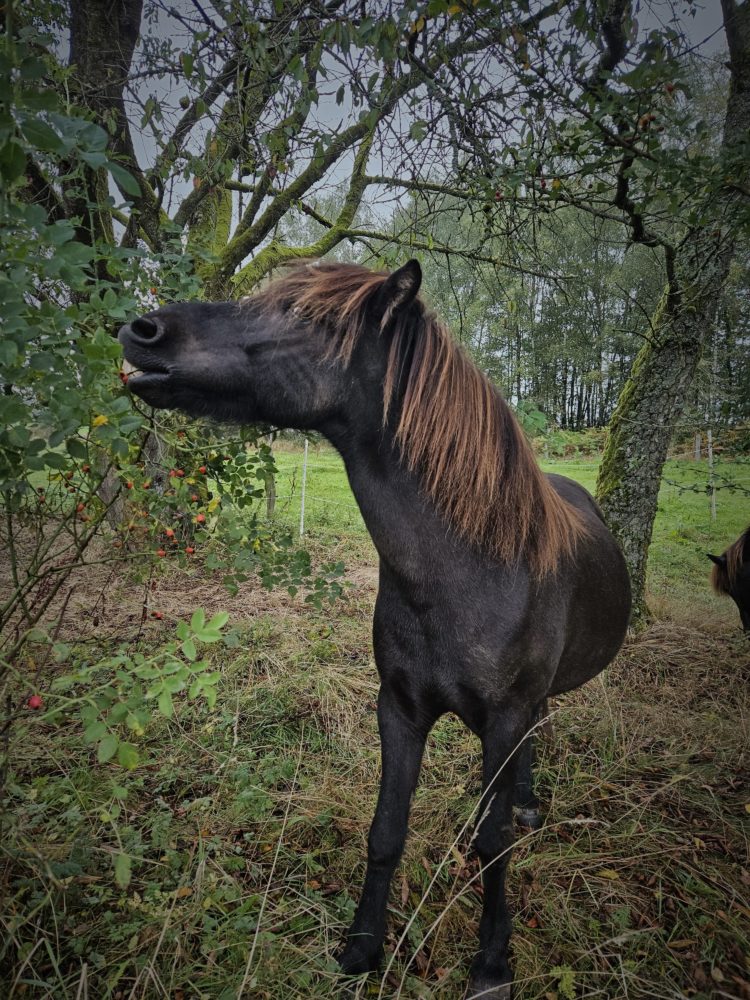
[(711, 480), (304, 482)]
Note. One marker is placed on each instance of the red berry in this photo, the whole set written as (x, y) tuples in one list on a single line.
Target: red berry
[(153, 289), (35, 701), (128, 485), (124, 377), (194, 498), (200, 519), (203, 470), (190, 550), (147, 484), (85, 468), (157, 614), (169, 532), (161, 553), (498, 195), (180, 473), (69, 475), (80, 507)]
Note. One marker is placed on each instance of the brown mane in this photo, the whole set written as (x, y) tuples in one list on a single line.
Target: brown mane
[(725, 573), (454, 428)]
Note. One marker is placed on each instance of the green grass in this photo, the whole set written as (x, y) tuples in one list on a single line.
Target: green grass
[(247, 824), (684, 530)]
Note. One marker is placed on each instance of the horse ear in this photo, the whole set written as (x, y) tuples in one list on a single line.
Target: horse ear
[(399, 289), (719, 560)]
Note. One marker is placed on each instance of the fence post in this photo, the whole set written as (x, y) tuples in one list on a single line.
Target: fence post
[(711, 481), (304, 482)]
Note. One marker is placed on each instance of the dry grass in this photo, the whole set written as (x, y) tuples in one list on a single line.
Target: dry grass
[(247, 825)]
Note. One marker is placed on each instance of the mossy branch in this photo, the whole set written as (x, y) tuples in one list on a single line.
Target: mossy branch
[(275, 254)]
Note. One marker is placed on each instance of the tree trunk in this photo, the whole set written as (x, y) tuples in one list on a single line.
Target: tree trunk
[(654, 396), (103, 35)]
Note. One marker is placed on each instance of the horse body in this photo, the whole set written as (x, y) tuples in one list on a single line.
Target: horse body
[(488, 602)]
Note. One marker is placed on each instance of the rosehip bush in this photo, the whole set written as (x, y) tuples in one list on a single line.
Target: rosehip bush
[(86, 475)]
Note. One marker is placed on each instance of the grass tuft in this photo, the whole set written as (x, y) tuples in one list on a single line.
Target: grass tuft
[(245, 826)]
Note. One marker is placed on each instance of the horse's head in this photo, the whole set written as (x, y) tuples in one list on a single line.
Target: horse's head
[(731, 575), (267, 358)]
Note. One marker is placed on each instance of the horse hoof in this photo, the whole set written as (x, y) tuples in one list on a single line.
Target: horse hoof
[(485, 989), (356, 961), (529, 819)]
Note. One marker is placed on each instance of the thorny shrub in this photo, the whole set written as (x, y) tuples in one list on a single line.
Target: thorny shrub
[(85, 475)]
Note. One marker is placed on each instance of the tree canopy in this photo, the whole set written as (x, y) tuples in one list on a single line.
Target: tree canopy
[(581, 166)]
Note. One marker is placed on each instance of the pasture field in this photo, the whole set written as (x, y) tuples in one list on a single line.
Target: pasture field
[(246, 824)]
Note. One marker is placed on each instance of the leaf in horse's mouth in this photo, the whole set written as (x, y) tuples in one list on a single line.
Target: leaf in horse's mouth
[(130, 371)]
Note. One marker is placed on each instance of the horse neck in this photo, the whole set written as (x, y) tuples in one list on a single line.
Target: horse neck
[(406, 529)]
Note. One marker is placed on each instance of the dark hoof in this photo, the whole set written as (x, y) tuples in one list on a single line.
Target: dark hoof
[(529, 819), (486, 989), (356, 960)]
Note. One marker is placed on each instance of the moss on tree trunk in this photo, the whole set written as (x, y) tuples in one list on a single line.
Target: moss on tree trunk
[(640, 432)]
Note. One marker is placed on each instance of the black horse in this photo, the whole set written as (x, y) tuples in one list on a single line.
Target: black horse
[(498, 585), (731, 575)]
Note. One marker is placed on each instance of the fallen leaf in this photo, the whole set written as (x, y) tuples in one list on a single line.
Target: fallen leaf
[(608, 873)]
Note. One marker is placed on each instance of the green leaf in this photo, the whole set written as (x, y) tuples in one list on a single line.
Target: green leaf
[(165, 704), (208, 636), (218, 621), (123, 869), (107, 749), (41, 136), (418, 130), (76, 448), (127, 755), (124, 179), (8, 352), (95, 160), (95, 731), (12, 161), (188, 648), (198, 620)]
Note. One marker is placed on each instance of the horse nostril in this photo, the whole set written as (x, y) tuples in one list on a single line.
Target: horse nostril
[(145, 328)]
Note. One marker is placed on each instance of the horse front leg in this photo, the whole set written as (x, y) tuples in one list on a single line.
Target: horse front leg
[(491, 976), (402, 745)]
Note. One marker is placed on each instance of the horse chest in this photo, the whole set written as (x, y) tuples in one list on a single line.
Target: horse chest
[(437, 658)]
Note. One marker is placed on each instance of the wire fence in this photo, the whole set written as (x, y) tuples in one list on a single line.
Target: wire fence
[(313, 493)]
